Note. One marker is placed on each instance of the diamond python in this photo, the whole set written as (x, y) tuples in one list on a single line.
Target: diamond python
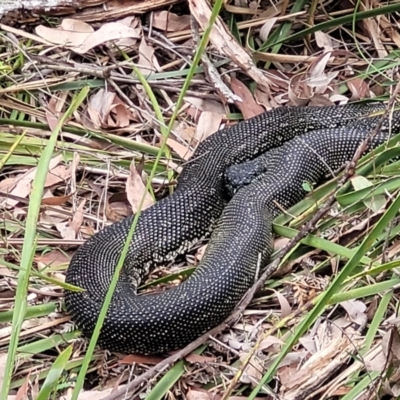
[(240, 244)]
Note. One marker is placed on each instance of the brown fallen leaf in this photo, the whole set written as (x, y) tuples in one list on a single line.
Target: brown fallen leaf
[(140, 359), (58, 174), (117, 210), (147, 61), (208, 123), (23, 391), (78, 217), (198, 358), (53, 258), (356, 311), (53, 109), (22, 184), (285, 306), (206, 105), (323, 41), (81, 38), (65, 230), (317, 77), (136, 189), (271, 343), (170, 22), (253, 371), (90, 394), (70, 33), (359, 88), (299, 92), (185, 131), (183, 152), (198, 395), (55, 200), (248, 106), (266, 28)]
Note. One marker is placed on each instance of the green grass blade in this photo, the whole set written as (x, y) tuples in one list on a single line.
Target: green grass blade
[(366, 382), (319, 243), (333, 288), (51, 381), (29, 242), (31, 312), (365, 291), (346, 19), (160, 390)]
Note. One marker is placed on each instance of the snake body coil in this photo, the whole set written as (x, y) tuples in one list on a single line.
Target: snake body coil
[(240, 243)]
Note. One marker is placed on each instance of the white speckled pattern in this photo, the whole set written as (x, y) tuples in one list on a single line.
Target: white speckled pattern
[(169, 320)]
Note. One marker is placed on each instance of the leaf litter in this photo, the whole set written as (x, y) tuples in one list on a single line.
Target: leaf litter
[(105, 151)]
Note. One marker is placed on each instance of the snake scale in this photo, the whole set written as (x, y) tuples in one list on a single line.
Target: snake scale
[(307, 143)]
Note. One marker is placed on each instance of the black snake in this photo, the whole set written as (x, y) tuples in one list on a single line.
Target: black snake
[(319, 140)]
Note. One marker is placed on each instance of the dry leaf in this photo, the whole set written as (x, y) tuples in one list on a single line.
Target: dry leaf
[(247, 106), (299, 92), (197, 395), (49, 218), (170, 22), (245, 398), (285, 306), (3, 359), (253, 372), (198, 358), (266, 28), (99, 106), (89, 394), (56, 175), (206, 105), (55, 200), (78, 217), (184, 131), (117, 210), (80, 37), (356, 311), (65, 230), (377, 363), (208, 123), (140, 359), (106, 110), (359, 88), (183, 152), (69, 33), (323, 41), (271, 342), (53, 110), (280, 243), (225, 42), (391, 343), (22, 184), (320, 100), (53, 259), (136, 189), (22, 393), (147, 62), (317, 78)]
